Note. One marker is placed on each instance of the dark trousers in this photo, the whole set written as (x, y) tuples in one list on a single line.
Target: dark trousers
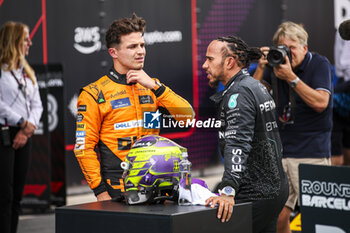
[(265, 212), (14, 167)]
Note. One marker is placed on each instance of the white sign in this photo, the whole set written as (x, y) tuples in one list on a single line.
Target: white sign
[(341, 11)]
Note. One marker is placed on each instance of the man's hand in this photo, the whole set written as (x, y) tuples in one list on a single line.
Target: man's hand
[(225, 203), (20, 140), (259, 72), (103, 196), (263, 60), (284, 71), (29, 129), (140, 76)]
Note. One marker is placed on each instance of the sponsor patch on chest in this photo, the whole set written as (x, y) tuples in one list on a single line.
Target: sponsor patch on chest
[(120, 103), (128, 124), (145, 99)]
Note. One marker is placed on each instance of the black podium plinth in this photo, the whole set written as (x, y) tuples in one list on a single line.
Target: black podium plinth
[(110, 216)]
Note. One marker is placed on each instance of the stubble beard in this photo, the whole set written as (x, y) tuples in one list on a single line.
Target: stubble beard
[(215, 81)]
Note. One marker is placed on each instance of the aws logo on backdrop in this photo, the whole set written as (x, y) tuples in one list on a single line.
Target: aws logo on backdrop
[(87, 39)]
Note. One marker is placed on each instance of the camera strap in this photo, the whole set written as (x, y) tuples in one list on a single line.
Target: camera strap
[(274, 87), (291, 100)]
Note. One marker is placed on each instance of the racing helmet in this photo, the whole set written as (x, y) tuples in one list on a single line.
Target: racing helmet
[(151, 171)]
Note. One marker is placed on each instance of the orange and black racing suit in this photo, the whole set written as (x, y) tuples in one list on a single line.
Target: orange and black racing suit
[(110, 116)]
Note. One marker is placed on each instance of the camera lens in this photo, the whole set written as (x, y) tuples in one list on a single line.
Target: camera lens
[(276, 55)]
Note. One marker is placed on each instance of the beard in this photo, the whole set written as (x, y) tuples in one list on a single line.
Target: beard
[(215, 80), (214, 83), (218, 77)]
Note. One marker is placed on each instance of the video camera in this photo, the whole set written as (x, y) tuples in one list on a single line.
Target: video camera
[(277, 53)]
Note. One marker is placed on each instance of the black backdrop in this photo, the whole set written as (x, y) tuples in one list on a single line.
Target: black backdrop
[(177, 26)]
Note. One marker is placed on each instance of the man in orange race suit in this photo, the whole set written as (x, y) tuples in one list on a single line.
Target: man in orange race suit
[(111, 110)]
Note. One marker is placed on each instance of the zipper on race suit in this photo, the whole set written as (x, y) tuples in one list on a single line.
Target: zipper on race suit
[(135, 104)]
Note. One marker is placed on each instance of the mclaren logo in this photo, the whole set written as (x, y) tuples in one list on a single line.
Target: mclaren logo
[(87, 39)]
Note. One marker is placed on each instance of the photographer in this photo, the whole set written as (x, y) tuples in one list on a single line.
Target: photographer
[(302, 88)]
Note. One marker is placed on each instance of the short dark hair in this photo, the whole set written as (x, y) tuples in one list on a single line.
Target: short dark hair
[(124, 26), (238, 47)]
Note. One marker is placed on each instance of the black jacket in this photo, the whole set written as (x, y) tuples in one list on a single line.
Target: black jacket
[(249, 139)]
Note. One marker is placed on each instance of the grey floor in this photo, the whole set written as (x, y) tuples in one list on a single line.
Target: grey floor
[(43, 223)]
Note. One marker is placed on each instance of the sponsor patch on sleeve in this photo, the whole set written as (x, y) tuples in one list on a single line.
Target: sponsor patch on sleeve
[(81, 126), (79, 152), (120, 103), (79, 146), (232, 103), (80, 117), (80, 140), (82, 108), (80, 134)]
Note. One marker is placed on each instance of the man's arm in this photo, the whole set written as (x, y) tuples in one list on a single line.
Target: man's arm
[(316, 99), (239, 133), (87, 136), (259, 72), (225, 203), (141, 77), (175, 104), (260, 69)]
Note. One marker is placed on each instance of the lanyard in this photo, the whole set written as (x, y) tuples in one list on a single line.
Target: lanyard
[(23, 88)]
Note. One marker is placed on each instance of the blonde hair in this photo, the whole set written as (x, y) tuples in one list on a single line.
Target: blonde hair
[(293, 31), (11, 54)]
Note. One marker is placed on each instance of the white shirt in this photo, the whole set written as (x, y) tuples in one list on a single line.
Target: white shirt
[(14, 102)]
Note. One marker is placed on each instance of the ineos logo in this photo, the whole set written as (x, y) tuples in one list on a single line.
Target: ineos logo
[(236, 153), (236, 160), (89, 37)]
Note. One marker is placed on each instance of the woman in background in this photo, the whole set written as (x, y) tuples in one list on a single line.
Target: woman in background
[(20, 112)]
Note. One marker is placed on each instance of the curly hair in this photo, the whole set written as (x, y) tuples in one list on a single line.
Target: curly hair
[(236, 46), (124, 26)]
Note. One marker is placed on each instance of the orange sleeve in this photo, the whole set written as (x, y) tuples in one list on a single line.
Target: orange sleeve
[(175, 104), (87, 137)]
